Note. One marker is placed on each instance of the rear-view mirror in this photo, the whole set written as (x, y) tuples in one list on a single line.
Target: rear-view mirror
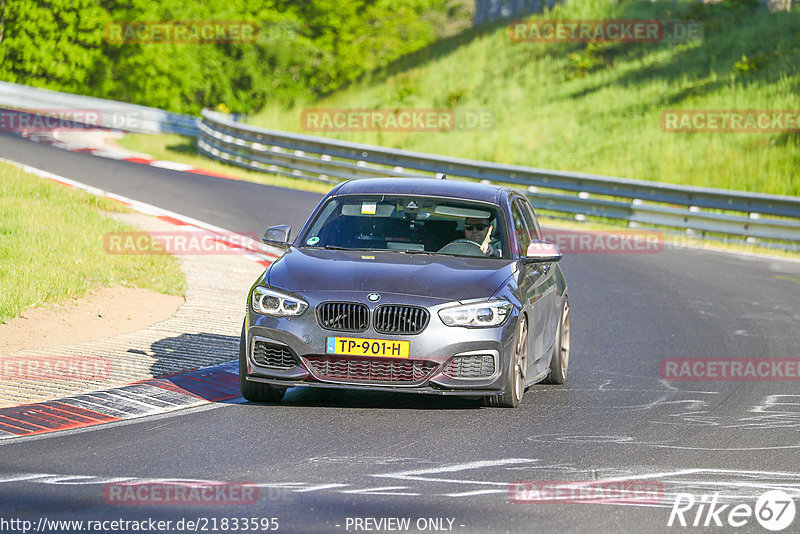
[(277, 236), (542, 251)]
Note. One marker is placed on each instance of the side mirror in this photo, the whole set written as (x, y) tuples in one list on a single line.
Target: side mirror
[(542, 251), (277, 236)]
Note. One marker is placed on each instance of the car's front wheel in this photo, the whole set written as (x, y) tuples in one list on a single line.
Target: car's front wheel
[(253, 391), (516, 373)]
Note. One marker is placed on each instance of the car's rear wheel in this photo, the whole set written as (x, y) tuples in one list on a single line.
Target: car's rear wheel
[(516, 372), (559, 363), (253, 391)]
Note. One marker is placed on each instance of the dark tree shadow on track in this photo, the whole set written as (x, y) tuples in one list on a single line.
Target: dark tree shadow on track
[(191, 351)]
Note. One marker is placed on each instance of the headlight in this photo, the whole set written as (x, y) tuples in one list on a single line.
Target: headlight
[(270, 302), (480, 315)]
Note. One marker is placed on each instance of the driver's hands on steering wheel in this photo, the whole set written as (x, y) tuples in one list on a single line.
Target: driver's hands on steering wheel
[(477, 234), (485, 245)]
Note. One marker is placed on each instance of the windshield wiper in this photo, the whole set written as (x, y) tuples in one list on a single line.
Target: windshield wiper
[(334, 247), (414, 251)]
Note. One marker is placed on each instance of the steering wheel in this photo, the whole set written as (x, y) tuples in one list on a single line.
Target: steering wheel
[(462, 246)]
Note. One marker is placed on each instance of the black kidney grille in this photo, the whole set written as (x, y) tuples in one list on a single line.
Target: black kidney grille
[(273, 356), (349, 368), (472, 366), (396, 319), (343, 316)]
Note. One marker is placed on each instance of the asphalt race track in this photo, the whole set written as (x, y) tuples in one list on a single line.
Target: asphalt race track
[(344, 461)]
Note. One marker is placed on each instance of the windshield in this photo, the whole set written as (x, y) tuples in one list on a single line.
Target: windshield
[(411, 224)]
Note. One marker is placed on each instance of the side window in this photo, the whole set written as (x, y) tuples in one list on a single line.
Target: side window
[(521, 232), (530, 219)]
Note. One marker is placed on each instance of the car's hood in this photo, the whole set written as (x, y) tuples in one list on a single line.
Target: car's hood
[(445, 277)]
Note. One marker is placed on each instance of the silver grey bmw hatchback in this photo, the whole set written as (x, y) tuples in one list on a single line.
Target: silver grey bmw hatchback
[(414, 285)]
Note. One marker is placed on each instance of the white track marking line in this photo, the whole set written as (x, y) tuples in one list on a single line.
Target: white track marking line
[(171, 165), (416, 473), (386, 490)]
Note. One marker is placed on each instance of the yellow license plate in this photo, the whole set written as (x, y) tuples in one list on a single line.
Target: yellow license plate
[(353, 346)]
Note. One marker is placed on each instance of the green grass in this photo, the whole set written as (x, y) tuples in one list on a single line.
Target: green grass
[(51, 246), (596, 108), (183, 149)]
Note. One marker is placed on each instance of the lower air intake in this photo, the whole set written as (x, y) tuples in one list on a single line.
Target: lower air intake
[(354, 369), (471, 366), (273, 356)]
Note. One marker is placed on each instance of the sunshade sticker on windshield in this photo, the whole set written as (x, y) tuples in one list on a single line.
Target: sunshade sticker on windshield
[(368, 209), (454, 211)]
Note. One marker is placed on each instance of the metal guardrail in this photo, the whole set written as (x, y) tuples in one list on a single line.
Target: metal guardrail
[(110, 113), (692, 209)]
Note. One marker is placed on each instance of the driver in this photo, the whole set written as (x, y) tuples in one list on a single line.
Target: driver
[(480, 231)]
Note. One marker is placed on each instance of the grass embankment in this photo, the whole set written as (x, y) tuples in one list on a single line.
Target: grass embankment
[(585, 107), (51, 246), (596, 107), (592, 108)]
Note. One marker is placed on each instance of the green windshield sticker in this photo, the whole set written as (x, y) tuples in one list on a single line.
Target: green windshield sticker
[(312, 241)]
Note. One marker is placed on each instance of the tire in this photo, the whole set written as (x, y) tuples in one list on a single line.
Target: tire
[(254, 391), (516, 374), (559, 362)]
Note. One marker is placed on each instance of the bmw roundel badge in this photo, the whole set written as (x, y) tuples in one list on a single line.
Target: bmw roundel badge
[(374, 297)]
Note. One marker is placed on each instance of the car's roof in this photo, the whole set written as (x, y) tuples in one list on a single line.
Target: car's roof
[(423, 187)]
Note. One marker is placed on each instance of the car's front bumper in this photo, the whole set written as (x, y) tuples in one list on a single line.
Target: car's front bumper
[(375, 387), (436, 346)]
